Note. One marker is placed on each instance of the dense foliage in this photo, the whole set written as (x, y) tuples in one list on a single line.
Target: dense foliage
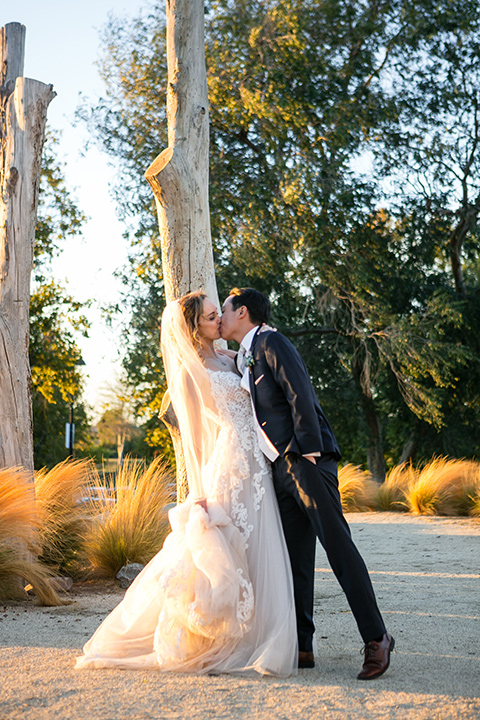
[(344, 183), (55, 318)]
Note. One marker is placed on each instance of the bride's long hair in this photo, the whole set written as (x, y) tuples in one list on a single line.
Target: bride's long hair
[(192, 308), (189, 385)]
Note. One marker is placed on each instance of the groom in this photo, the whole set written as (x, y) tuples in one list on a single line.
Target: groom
[(296, 436)]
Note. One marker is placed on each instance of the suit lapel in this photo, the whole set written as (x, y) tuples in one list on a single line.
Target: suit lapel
[(254, 339), (250, 370)]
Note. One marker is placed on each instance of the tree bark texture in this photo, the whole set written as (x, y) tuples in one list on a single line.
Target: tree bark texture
[(168, 416), (23, 110), (179, 178), (179, 175), (375, 457)]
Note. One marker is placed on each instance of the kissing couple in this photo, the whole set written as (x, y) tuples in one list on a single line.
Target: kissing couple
[(232, 588)]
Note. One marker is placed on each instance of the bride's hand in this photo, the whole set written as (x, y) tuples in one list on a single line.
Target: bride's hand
[(202, 502), (264, 327)]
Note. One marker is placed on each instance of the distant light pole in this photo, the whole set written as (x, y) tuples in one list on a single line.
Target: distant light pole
[(70, 432), (70, 426)]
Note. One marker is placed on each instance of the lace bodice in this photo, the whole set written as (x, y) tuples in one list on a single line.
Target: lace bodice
[(237, 459), (232, 401)]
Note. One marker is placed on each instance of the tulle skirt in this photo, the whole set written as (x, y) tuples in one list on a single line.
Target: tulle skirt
[(208, 601)]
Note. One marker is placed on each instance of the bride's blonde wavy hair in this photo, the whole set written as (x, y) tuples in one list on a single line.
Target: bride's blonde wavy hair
[(192, 308)]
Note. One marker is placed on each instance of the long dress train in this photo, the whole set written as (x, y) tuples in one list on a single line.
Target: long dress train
[(218, 597)]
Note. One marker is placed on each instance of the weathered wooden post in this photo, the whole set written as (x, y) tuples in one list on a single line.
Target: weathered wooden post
[(179, 176), (23, 113)]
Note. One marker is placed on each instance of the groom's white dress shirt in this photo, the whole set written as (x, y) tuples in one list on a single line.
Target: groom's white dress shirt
[(266, 446)]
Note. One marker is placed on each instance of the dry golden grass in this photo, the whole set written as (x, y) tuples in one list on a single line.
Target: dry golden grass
[(16, 570), (444, 487), (134, 526), (129, 523), (475, 503), (357, 490), (19, 540), (62, 518), (17, 505), (391, 494)]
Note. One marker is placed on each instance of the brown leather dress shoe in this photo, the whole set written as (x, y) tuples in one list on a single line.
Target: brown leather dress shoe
[(377, 658), (305, 659)]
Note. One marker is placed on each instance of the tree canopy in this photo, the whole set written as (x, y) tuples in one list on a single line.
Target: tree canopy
[(343, 183)]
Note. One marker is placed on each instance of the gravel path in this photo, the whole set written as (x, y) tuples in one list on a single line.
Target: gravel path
[(427, 579)]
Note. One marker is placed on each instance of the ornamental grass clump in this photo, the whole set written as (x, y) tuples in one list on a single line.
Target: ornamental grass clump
[(357, 490), (444, 487), (61, 514), (460, 481), (129, 517), (475, 502), (19, 540), (390, 495)]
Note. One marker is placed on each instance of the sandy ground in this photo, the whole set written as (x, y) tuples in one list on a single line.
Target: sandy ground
[(427, 579)]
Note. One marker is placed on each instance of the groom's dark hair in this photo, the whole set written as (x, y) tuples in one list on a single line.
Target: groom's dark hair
[(257, 304)]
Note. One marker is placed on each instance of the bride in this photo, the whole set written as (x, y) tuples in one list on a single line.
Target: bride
[(218, 597)]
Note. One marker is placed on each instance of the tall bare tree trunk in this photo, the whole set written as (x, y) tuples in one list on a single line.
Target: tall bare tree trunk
[(179, 175), (375, 456), (23, 111)]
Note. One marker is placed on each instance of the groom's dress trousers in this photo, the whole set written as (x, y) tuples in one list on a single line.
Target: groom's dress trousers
[(289, 414)]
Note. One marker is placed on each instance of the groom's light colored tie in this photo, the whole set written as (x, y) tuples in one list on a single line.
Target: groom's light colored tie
[(241, 359)]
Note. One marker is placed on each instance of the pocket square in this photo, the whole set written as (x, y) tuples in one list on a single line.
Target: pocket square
[(258, 379)]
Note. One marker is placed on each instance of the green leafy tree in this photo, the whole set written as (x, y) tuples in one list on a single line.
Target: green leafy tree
[(117, 433), (301, 93), (55, 319)]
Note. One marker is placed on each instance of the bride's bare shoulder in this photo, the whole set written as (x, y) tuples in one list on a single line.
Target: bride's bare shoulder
[(229, 353), (220, 363)]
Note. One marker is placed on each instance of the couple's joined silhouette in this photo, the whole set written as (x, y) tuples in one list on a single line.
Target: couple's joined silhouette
[(232, 588)]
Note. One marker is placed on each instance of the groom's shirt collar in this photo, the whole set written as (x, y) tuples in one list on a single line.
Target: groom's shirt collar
[(248, 339)]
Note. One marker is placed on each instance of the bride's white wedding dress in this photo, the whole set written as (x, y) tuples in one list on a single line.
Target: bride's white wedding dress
[(218, 597)]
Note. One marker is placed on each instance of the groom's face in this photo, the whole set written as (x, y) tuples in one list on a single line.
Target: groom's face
[(231, 320)]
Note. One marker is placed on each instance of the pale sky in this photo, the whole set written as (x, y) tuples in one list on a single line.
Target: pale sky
[(62, 44)]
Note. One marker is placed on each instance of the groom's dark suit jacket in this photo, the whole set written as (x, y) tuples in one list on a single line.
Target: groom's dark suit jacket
[(285, 401), (308, 497)]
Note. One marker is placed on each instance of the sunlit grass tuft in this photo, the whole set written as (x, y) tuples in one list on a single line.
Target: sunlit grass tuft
[(391, 493), (357, 490), (16, 570), (134, 526), (475, 503), (62, 517), (17, 505), (19, 540), (443, 487)]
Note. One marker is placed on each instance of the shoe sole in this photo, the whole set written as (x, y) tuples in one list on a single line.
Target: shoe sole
[(374, 677)]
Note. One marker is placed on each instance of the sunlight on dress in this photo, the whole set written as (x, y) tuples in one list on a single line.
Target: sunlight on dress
[(218, 597)]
